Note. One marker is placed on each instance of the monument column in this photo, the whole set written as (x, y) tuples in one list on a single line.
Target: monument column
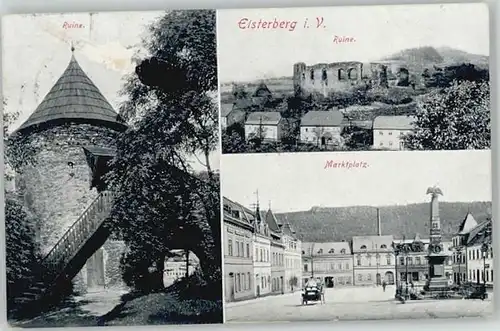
[(436, 256)]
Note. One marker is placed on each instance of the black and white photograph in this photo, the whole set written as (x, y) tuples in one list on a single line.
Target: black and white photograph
[(355, 236), (360, 78), (112, 194)]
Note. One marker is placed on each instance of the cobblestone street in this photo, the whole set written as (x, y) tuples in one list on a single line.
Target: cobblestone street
[(356, 303)]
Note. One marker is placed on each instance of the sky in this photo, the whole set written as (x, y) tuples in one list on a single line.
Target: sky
[(37, 49), (251, 54), (299, 181)]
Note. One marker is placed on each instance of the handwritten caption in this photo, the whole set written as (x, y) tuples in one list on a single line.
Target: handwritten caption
[(331, 164), (72, 25), (318, 22)]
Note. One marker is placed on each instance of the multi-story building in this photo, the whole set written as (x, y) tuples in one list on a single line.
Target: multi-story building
[(459, 247), (277, 253), (238, 237), (331, 262), (262, 256), (293, 258), (479, 258), (373, 260), (179, 266)]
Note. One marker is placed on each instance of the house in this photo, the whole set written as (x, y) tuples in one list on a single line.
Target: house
[(459, 248), (230, 115), (331, 262), (373, 260), (293, 258), (179, 266), (238, 235), (322, 128), (479, 257), (262, 257), (264, 125), (389, 130)]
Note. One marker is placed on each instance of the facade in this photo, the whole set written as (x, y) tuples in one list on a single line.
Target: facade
[(326, 78), (321, 128), (479, 258), (373, 260), (262, 256), (413, 266), (238, 239), (389, 130), (460, 252), (264, 125), (230, 116), (331, 262), (293, 259)]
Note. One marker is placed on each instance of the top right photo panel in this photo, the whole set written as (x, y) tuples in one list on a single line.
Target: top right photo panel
[(366, 78)]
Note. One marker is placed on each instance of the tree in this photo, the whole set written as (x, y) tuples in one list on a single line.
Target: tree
[(455, 118), (161, 204)]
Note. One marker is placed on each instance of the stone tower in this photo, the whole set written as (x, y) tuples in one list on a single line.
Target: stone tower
[(436, 256), (57, 188)]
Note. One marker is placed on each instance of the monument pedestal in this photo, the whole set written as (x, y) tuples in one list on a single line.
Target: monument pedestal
[(437, 279)]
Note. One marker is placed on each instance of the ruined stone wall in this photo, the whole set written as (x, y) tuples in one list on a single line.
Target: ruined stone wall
[(330, 77)]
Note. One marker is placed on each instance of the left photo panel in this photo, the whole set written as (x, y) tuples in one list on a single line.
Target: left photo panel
[(111, 151)]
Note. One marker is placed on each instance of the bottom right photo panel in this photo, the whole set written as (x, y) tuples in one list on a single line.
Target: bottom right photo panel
[(357, 236)]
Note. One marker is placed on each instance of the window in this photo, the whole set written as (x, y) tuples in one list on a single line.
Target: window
[(303, 252), (390, 133), (324, 75), (410, 260), (358, 261), (390, 143), (418, 260), (388, 257), (311, 74), (347, 266), (402, 260), (381, 143), (249, 281), (331, 251), (342, 251), (383, 246), (369, 277), (362, 247), (340, 266), (237, 246), (360, 277), (230, 247), (320, 251), (248, 250), (381, 133), (305, 267)]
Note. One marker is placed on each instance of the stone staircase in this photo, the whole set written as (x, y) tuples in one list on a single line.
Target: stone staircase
[(67, 257)]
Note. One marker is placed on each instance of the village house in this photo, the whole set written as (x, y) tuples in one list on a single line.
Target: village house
[(389, 130), (321, 128), (230, 115), (262, 256), (264, 125), (331, 262), (293, 258), (238, 236)]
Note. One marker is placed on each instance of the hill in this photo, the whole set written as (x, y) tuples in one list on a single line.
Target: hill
[(335, 224)]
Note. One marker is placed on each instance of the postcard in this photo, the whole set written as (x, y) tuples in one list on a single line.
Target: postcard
[(369, 78), (112, 202)]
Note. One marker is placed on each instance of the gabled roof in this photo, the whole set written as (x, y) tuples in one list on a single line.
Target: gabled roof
[(74, 98), (272, 221), (245, 216), (225, 109), (322, 118), (264, 118), (262, 91), (478, 233), (393, 122), (467, 224)]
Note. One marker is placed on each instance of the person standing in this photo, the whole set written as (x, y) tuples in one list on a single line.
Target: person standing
[(384, 284)]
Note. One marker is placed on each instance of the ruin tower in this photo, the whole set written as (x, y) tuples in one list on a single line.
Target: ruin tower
[(299, 70), (437, 258), (68, 126)]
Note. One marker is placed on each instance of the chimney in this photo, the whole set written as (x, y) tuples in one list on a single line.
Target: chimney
[(379, 226)]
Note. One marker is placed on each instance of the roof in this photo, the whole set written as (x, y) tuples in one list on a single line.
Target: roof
[(322, 118), (372, 243), (243, 104), (246, 217), (74, 98), (264, 118), (403, 122), (478, 233), (262, 91), (467, 224), (326, 248), (225, 109), (272, 221)]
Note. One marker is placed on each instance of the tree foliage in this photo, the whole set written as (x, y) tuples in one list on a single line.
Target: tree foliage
[(22, 259), (455, 118), (161, 203)]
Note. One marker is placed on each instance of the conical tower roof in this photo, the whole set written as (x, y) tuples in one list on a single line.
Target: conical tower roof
[(74, 98)]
